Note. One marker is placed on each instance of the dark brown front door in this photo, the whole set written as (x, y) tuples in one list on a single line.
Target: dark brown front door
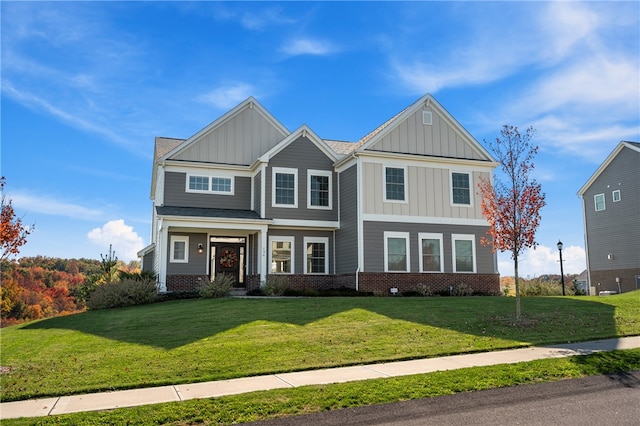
[(228, 259)]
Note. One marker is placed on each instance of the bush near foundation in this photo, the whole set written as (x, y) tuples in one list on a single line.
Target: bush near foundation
[(127, 292)]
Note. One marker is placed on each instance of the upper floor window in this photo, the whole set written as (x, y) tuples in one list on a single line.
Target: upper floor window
[(319, 189), (199, 183), (464, 250), (396, 251), (395, 184), (285, 192), (317, 259), (221, 184), (281, 255), (179, 249), (460, 188), (599, 202), (210, 184), (430, 246), (616, 195)]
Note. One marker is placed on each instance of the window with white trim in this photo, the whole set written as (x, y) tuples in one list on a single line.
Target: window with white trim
[(222, 185), (464, 253), (396, 252), (179, 249), (395, 184), (616, 195), (281, 255), (599, 202), (284, 192), (317, 255), (430, 247), (198, 183), (319, 189), (460, 188)]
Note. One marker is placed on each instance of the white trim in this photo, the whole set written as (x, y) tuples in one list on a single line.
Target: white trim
[(326, 173), (293, 251), (373, 217), (613, 196), (305, 132), (406, 183), (210, 175), (299, 223), (605, 164), (430, 236), (401, 160), (288, 171), (319, 240), (210, 169), (360, 217), (463, 237), (604, 202), (263, 189), (405, 236), (179, 239), (471, 185)]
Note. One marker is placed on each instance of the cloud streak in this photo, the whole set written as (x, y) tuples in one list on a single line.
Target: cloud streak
[(124, 240), (52, 206)]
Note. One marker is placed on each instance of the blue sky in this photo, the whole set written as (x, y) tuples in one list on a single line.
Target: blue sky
[(86, 87)]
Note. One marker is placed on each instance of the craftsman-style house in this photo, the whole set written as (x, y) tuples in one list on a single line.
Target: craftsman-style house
[(247, 197)]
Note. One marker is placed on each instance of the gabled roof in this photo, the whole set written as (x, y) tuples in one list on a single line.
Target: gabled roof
[(302, 131), (635, 146)]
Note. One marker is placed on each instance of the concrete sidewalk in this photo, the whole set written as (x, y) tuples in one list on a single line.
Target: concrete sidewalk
[(135, 397)]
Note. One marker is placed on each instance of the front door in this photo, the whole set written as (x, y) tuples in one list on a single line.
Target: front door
[(227, 257)]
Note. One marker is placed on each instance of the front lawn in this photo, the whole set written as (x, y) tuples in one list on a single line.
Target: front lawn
[(199, 340)]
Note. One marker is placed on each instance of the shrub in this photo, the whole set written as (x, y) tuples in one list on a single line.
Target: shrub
[(538, 287), (463, 289), (275, 285), (424, 290), (219, 287), (123, 293)]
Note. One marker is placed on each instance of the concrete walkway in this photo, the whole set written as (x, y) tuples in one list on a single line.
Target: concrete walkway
[(135, 397)]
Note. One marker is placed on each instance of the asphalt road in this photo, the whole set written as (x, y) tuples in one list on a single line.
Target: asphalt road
[(610, 400)]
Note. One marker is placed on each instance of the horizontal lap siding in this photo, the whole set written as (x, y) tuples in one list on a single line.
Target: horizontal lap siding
[(257, 192), (347, 235), (175, 194), (374, 245), (197, 261)]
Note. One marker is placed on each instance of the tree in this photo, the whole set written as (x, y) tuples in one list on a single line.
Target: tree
[(512, 206), (13, 234), (109, 265)]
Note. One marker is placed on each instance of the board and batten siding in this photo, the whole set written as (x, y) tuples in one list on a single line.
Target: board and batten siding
[(347, 235), (240, 140), (428, 190), (299, 248), (374, 245), (616, 229), (175, 194), (302, 155), (197, 264), (440, 139)]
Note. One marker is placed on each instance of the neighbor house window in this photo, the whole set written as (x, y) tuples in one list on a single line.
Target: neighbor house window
[(284, 187), (221, 184), (179, 249), (394, 184), (316, 252), (464, 253), (430, 246), (616, 195), (281, 255), (460, 189), (319, 189), (599, 202), (198, 183), (396, 251)]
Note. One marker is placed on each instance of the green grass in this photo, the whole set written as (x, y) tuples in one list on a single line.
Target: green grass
[(199, 340), (286, 402)]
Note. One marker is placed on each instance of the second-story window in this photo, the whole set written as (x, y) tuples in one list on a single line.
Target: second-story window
[(598, 200), (210, 184), (221, 184), (394, 179), (319, 189), (199, 183), (285, 192), (460, 189)]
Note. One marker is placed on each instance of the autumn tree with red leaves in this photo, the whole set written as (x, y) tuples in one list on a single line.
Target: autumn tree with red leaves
[(512, 206), (13, 234)]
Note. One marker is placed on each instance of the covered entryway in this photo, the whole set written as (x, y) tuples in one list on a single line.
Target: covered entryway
[(228, 257)]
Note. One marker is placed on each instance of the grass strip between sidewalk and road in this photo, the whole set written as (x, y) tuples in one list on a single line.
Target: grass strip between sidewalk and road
[(309, 399)]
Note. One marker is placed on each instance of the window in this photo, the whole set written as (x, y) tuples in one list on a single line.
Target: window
[(319, 189), (460, 193), (394, 180), (179, 249), (281, 255), (396, 251), (616, 195), (221, 184), (599, 202), (464, 253), (317, 261), (430, 252), (284, 187), (199, 183)]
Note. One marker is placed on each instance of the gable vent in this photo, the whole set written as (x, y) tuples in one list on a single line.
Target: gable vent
[(426, 118)]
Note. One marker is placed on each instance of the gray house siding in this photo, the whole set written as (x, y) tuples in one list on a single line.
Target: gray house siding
[(374, 245), (347, 235), (302, 155), (175, 194), (257, 192), (197, 264), (299, 249), (147, 262)]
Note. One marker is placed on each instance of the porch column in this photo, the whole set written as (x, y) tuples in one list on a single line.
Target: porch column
[(262, 263), (161, 249)]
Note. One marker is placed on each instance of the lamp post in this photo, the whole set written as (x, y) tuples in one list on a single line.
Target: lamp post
[(561, 269)]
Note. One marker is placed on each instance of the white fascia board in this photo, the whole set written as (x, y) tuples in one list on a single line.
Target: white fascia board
[(215, 222), (388, 158), (305, 132), (346, 162), (605, 164), (309, 224), (146, 250), (427, 220), (208, 168)]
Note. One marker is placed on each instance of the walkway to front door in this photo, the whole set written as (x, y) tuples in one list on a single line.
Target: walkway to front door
[(228, 257)]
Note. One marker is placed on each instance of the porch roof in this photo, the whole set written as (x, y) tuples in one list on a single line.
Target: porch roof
[(206, 212)]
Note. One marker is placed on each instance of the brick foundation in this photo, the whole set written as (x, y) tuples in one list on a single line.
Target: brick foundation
[(381, 283), (606, 280)]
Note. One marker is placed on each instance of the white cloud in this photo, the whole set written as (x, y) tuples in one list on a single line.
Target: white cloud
[(228, 96), (53, 206), (544, 260), (306, 46), (124, 240)]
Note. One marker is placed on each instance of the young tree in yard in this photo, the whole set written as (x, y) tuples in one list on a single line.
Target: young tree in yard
[(13, 234), (512, 206)]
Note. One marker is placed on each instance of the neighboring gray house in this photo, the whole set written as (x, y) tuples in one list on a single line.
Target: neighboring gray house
[(611, 208), (247, 197)]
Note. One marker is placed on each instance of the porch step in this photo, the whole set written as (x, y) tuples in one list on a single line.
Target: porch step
[(238, 291)]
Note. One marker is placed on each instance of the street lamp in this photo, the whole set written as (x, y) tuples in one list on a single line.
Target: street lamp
[(561, 270)]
